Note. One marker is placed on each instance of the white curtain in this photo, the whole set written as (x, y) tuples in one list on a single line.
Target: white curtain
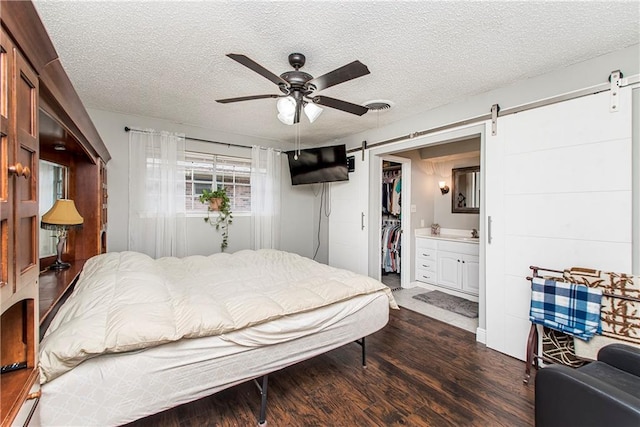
[(157, 220), (265, 198)]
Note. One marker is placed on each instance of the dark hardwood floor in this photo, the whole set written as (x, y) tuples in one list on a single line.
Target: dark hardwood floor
[(421, 372)]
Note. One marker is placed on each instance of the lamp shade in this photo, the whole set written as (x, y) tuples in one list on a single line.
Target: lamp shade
[(286, 119), (63, 214), (312, 111), (286, 106)]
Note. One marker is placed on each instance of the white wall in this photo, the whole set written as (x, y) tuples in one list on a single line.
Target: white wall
[(297, 232), (442, 202)]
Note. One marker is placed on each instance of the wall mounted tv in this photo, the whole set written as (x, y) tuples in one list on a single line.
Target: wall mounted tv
[(322, 164)]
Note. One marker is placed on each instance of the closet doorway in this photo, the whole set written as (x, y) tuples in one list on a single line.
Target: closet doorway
[(395, 181)]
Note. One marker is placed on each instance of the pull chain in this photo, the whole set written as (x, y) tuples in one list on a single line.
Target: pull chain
[(297, 143)]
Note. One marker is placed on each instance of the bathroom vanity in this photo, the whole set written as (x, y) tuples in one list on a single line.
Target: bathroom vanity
[(450, 260)]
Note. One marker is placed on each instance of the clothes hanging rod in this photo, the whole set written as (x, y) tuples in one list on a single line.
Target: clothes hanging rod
[(228, 144), (592, 90)]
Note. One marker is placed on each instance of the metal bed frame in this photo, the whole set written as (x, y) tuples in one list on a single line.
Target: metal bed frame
[(264, 385)]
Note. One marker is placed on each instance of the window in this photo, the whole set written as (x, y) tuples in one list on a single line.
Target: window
[(210, 171)]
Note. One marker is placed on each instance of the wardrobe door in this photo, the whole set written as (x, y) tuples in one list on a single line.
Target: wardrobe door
[(348, 223), (559, 193), (6, 158), (26, 197)]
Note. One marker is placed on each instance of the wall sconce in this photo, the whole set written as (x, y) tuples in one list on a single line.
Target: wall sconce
[(444, 189), (60, 218)]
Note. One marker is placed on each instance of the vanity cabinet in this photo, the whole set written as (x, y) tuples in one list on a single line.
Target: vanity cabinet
[(448, 263), (426, 260), (458, 271)]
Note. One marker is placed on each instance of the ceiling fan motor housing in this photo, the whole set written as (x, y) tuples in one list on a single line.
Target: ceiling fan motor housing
[(297, 60), (296, 79)]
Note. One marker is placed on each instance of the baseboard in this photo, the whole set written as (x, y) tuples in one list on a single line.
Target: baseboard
[(481, 335)]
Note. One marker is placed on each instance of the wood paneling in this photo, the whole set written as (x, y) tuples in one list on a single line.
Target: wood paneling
[(63, 103), (53, 286), (23, 23), (420, 372), (18, 226), (12, 332), (88, 199)]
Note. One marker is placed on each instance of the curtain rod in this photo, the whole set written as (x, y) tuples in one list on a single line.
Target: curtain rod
[(228, 144)]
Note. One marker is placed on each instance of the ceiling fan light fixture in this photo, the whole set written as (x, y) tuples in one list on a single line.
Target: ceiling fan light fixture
[(286, 119), (312, 111), (286, 106)]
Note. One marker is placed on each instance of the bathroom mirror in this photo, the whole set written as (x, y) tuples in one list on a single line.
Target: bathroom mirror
[(465, 190)]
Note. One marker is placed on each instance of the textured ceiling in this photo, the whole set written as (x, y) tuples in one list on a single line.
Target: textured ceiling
[(167, 59)]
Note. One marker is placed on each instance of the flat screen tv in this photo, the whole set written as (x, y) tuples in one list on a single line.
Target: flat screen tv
[(322, 164)]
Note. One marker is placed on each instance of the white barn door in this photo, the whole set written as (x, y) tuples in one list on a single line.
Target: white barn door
[(558, 194), (348, 222)]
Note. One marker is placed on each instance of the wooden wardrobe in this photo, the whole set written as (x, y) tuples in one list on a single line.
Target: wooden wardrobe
[(39, 109)]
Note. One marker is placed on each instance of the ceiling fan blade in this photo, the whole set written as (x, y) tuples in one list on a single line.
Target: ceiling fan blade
[(245, 98), (340, 105), (251, 64), (340, 75)]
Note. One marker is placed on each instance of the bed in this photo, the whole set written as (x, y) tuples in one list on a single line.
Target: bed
[(138, 336)]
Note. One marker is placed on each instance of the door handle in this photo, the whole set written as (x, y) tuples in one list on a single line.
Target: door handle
[(361, 220), (489, 237), (19, 170)]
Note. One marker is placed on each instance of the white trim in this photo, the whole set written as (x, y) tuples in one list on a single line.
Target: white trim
[(481, 335), (376, 154), (635, 180)]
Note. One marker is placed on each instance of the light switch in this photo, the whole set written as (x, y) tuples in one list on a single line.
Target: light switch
[(413, 208)]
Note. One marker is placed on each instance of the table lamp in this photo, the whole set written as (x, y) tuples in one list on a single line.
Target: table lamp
[(61, 217)]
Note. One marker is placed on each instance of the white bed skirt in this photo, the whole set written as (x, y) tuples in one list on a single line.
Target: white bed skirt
[(115, 389)]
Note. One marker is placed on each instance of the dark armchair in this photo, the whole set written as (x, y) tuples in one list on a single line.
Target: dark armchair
[(602, 393)]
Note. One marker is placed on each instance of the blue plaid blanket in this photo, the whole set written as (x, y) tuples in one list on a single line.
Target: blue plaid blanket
[(566, 307)]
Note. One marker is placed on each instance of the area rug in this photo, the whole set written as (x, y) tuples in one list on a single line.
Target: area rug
[(450, 302)]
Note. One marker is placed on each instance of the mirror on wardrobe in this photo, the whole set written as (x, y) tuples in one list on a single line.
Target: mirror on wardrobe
[(53, 185), (465, 191)]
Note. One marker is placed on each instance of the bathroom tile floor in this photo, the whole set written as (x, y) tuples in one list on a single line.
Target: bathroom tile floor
[(404, 298)]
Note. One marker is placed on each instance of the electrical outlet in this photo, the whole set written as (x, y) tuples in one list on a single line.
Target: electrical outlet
[(422, 223)]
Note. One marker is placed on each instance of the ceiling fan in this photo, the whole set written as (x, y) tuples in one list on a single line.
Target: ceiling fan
[(299, 88)]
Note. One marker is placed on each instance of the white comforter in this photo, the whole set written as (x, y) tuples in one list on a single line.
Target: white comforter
[(127, 301)]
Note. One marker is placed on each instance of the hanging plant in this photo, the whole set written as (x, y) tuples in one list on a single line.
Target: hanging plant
[(218, 201)]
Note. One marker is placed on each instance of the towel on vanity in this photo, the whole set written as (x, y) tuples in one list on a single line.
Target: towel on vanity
[(567, 307)]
